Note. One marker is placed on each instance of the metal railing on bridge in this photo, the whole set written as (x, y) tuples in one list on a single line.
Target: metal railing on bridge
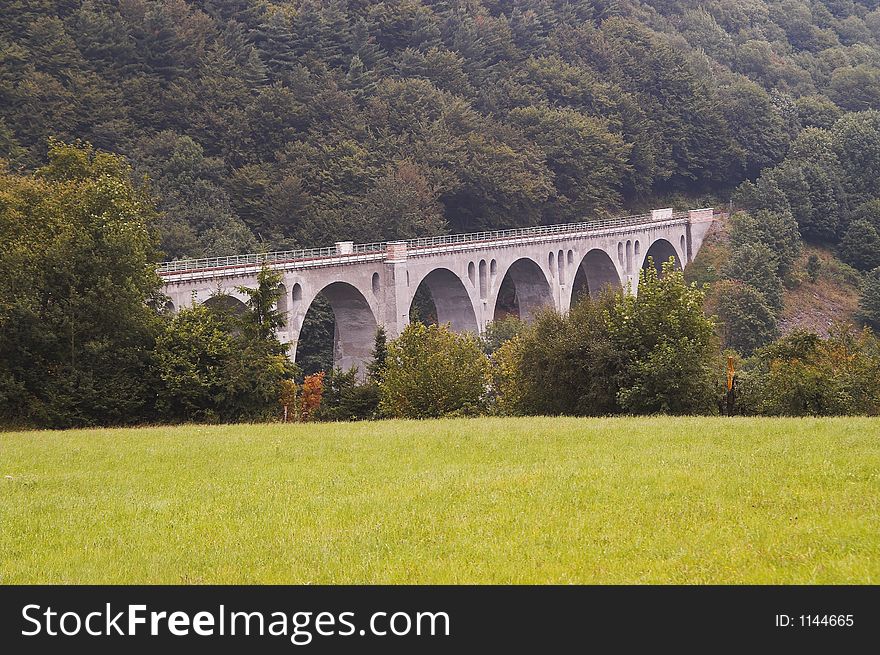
[(365, 251)]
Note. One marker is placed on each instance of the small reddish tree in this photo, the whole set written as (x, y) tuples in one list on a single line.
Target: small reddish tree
[(310, 396)]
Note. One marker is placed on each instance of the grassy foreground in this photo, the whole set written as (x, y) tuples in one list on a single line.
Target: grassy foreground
[(485, 500)]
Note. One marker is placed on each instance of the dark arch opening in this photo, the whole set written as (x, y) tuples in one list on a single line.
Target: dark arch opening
[(595, 272), (442, 298), (339, 330), (660, 252), (523, 292)]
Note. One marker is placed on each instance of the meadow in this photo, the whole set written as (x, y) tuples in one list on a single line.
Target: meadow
[(537, 500)]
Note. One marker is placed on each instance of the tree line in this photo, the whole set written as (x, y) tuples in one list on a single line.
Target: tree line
[(281, 124), (86, 337)]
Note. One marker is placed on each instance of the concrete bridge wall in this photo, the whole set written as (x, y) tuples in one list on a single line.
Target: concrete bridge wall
[(366, 290)]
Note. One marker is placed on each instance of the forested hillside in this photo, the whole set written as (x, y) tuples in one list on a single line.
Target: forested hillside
[(279, 124), (211, 127)]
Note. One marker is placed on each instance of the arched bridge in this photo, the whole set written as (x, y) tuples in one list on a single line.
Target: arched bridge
[(469, 276)]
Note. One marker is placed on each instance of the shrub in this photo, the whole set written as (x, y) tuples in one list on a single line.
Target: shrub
[(667, 344), (814, 265), (803, 374), (311, 393), (191, 358), (564, 364), (431, 372), (499, 332), (507, 379), (345, 399)]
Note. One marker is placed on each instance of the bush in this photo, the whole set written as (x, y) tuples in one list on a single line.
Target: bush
[(345, 399), (814, 266), (507, 379), (667, 345), (805, 375), (191, 358), (562, 364), (431, 372), (499, 332), (213, 365)]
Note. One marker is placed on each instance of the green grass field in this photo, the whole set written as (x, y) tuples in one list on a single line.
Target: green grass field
[(642, 500)]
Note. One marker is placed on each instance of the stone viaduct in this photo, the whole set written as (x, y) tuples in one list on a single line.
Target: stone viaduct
[(374, 284)]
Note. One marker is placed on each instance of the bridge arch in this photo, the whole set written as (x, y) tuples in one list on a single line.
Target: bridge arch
[(524, 289), (354, 321), (451, 299), (595, 272), (227, 303), (660, 251)]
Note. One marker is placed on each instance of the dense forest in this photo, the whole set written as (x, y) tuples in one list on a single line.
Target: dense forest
[(209, 127), (281, 124)]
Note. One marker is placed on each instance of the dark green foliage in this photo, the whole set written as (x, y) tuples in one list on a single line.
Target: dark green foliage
[(745, 320), (589, 163), (499, 332), (376, 367), (868, 212), (777, 231), (567, 364), (214, 365), (860, 246), (754, 264), (869, 303), (346, 396), (317, 338), (651, 353), (285, 124), (817, 111), (814, 266), (857, 144), (198, 220), (264, 318), (667, 346), (757, 128), (75, 276), (422, 309), (345, 399), (191, 358)]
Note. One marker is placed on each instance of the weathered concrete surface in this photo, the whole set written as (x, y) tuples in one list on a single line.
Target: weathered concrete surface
[(548, 267)]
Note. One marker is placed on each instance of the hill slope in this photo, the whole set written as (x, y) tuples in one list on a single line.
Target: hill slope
[(300, 122)]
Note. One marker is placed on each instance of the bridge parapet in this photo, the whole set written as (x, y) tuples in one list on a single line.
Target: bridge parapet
[(350, 252)]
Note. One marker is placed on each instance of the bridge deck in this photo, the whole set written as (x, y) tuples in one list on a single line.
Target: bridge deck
[(331, 256)]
